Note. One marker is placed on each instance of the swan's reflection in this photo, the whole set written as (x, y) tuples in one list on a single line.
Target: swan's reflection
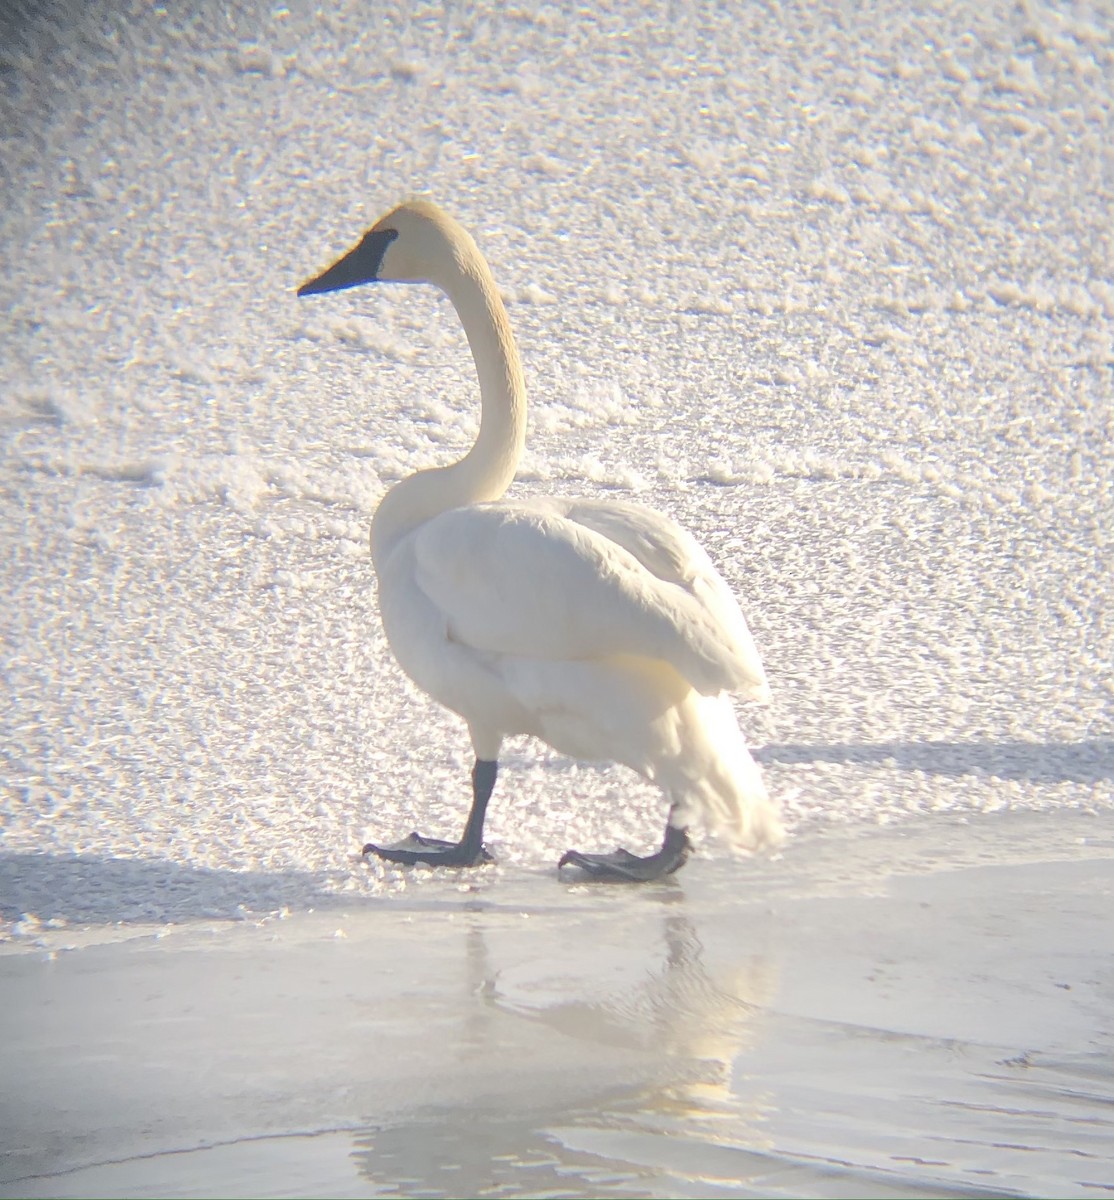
[(684, 1024)]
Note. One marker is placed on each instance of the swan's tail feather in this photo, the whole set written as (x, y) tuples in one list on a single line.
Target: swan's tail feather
[(728, 798)]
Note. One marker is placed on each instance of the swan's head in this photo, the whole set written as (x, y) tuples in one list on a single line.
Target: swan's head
[(413, 243)]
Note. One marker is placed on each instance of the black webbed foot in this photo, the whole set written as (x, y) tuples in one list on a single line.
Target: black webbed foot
[(432, 852), (624, 867)]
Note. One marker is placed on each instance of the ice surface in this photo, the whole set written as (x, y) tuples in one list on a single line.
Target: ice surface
[(831, 287), (923, 1011)]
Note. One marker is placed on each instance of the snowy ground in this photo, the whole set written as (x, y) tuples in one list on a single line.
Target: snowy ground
[(831, 286)]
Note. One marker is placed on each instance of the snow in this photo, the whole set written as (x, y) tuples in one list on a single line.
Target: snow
[(832, 288)]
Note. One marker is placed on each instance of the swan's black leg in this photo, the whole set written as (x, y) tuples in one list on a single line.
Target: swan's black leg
[(624, 867), (469, 851)]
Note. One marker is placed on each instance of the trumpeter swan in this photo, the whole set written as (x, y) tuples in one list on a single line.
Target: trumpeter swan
[(600, 627)]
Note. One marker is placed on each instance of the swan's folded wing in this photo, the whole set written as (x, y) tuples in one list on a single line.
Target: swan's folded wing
[(672, 554), (534, 581), (660, 545)]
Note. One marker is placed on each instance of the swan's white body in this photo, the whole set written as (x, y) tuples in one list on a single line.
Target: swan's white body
[(601, 628)]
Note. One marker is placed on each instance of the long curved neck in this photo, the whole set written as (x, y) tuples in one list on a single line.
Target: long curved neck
[(487, 470)]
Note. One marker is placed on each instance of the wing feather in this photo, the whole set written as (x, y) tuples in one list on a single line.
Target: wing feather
[(575, 580)]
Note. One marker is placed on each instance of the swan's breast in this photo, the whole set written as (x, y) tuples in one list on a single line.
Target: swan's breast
[(456, 674)]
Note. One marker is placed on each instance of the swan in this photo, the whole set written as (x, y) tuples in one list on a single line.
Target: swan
[(598, 626)]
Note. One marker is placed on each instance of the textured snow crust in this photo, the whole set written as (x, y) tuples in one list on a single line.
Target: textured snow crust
[(831, 287)]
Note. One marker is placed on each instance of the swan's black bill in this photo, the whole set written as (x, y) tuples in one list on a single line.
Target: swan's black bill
[(360, 265)]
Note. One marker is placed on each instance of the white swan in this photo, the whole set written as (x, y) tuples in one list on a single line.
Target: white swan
[(600, 627)]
